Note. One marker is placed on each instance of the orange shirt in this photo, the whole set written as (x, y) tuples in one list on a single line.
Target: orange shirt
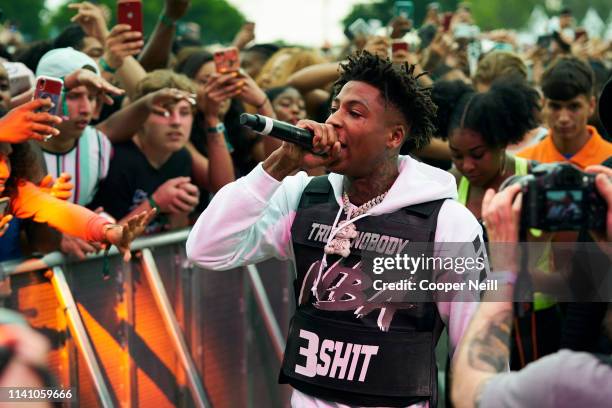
[(31, 202), (595, 151)]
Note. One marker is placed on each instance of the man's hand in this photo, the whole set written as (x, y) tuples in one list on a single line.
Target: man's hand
[(177, 195), (604, 186), (245, 35), (158, 101), (176, 9), (91, 19), (120, 44), (29, 348), (4, 223), (24, 122), (78, 247), (501, 213), (378, 45), (218, 89), (289, 157), (250, 92), (95, 83), (61, 188), (121, 235), (400, 25)]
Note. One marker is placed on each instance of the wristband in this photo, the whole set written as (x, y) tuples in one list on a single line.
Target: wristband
[(153, 204), (105, 67), (167, 21), (220, 128), (261, 105), (504, 277)]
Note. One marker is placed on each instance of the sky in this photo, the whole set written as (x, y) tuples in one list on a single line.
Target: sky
[(305, 22)]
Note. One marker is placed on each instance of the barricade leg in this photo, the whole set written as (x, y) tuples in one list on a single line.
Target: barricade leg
[(163, 303), (77, 329)]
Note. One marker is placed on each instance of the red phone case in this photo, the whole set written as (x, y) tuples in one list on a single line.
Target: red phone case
[(227, 60), (130, 13), (400, 45), (47, 87)]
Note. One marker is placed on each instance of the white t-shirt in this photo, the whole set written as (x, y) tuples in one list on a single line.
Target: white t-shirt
[(87, 163)]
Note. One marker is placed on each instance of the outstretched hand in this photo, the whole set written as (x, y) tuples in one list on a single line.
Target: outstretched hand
[(159, 100), (60, 188), (121, 235), (95, 83), (91, 19), (24, 122)]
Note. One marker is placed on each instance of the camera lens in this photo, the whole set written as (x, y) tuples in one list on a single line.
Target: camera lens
[(42, 84)]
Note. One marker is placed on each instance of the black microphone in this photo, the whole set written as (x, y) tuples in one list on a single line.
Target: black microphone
[(277, 129)]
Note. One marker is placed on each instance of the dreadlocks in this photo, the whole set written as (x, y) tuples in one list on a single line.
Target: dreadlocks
[(398, 86)]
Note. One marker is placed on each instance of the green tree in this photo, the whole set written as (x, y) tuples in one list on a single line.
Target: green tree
[(26, 14), (384, 11), (488, 14), (219, 20)]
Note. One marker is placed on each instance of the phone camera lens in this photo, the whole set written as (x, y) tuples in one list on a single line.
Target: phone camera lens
[(42, 83)]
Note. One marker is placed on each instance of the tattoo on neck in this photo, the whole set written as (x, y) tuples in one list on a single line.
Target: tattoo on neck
[(489, 351), (361, 190)]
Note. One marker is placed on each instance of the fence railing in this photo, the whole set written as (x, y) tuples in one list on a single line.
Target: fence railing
[(158, 330)]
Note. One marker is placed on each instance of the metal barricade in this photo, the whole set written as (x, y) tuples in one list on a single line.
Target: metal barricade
[(158, 331)]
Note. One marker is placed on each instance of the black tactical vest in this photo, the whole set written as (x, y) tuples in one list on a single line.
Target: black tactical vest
[(357, 345)]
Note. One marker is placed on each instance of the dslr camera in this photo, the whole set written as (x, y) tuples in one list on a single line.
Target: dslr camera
[(560, 197)]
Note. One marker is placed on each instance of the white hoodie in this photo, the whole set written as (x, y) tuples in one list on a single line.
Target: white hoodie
[(250, 220)]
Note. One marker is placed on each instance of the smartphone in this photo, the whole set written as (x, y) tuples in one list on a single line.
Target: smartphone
[(404, 9), (579, 33), (50, 87), (544, 41), (227, 60), (130, 13), (446, 21), (359, 28), (399, 45), (4, 203)]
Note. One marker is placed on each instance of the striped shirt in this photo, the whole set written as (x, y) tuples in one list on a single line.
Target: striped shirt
[(87, 163)]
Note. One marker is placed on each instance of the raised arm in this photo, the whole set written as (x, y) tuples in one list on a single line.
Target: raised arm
[(120, 48), (157, 51), (32, 202), (314, 77), (484, 351), (123, 124), (250, 219)]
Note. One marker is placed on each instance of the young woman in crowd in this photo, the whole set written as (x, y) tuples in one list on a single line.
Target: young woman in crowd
[(225, 101), (288, 104), (479, 127)]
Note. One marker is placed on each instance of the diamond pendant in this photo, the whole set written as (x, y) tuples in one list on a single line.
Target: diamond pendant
[(341, 243)]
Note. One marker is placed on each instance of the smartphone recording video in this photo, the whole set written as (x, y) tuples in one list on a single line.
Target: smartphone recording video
[(51, 88), (227, 60), (130, 13)]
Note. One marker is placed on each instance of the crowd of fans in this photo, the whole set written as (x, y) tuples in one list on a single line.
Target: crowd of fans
[(149, 127)]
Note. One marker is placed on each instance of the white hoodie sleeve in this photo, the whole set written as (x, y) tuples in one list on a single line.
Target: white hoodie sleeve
[(247, 221), (456, 224)]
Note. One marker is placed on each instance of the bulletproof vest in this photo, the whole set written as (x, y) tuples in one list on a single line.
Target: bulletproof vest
[(351, 343)]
